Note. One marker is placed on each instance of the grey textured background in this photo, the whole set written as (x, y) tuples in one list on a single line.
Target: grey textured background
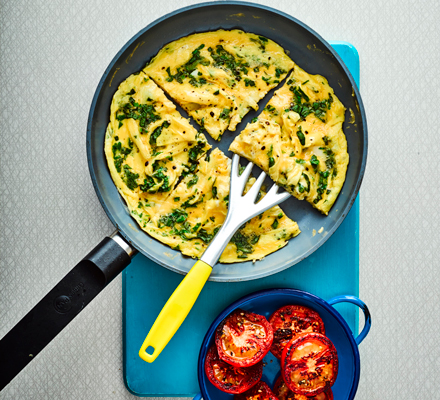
[(52, 55)]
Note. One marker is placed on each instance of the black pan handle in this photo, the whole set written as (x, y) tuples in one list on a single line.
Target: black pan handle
[(61, 305)]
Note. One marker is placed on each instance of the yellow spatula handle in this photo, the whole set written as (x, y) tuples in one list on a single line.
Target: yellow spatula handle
[(175, 310)]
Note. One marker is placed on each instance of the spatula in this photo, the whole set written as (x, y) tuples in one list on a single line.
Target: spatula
[(241, 209)]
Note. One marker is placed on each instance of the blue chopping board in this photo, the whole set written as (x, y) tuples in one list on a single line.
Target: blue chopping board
[(330, 271)]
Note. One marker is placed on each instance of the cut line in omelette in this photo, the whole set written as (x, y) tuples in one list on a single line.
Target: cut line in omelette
[(218, 76), (298, 140)]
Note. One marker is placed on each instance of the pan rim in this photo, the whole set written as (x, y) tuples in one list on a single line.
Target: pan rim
[(125, 233)]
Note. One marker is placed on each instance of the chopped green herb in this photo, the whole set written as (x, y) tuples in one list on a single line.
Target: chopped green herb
[(196, 151), (306, 177), (225, 113), (176, 217), (322, 185), (130, 178), (279, 72), (315, 162), (170, 76), (192, 181), (301, 137), (186, 70), (202, 126), (120, 153), (271, 159), (145, 113), (214, 189), (319, 108), (158, 181), (275, 224), (157, 132), (261, 43), (298, 94), (330, 161), (188, 204), (202, 234), (226, 60), (244, 243), (196, 227), (270, 108)]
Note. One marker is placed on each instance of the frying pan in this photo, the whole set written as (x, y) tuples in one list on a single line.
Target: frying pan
[(112, 255)]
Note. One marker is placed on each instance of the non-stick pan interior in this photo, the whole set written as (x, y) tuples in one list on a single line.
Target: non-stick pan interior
[(309, 51)]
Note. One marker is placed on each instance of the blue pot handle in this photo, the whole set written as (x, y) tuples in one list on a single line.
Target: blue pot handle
[(362, 306), (198, 396)]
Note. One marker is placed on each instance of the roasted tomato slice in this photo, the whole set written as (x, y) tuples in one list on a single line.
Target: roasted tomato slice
[(243, 338), (290, 321), (261, 391), (228, 378), (309, 364), (282, 392)]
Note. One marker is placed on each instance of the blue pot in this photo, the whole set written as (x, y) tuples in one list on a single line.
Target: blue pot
[(265, 302)]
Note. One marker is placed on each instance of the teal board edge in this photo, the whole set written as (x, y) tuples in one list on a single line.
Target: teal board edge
[(147, 286)]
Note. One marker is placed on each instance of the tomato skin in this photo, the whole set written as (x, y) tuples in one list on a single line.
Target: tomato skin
[(243, 338), (309, 364), (282, 392), (261, 391), (290, 321), (228, 378)]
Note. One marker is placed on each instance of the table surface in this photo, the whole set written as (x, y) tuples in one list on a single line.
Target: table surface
[(52, 55)]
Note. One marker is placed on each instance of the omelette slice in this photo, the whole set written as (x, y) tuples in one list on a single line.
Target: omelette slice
[(217, 77), (298, 140), (197, 208), (148, 145)]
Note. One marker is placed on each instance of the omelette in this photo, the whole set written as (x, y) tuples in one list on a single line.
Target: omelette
[(175, 187), (298, 140), (217, 77), (175, 191)]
